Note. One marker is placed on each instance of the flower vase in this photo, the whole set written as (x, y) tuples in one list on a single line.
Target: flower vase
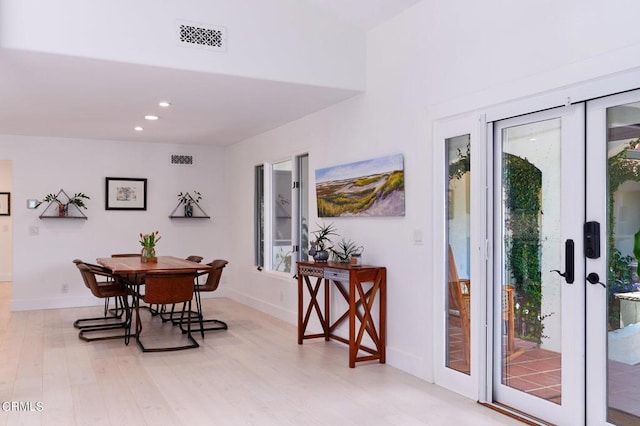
[(188, 210), (62, 210), (148, 255)]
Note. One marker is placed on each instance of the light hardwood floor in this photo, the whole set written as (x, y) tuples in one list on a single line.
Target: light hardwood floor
[(253, 374)]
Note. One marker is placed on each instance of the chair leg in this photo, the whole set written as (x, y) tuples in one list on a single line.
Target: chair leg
[(173, 315), (193, 344), (117, 311), (86, 332), (106, 320), (200, 315), (217, 324)]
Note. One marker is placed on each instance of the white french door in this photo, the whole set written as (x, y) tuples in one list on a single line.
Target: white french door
[(613, 309), (538, 276)]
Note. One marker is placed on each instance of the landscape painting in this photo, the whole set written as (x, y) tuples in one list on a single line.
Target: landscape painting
[(365, 188)]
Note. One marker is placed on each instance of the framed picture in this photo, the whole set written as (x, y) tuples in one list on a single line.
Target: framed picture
[(125, 194), (366, 188), (5, 204)]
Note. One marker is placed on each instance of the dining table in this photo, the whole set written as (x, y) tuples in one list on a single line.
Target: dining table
[(133, 269), (125, 266)]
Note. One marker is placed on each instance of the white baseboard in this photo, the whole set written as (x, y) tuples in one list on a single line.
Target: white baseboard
[(409, 363), (55, 303), (290, 317)]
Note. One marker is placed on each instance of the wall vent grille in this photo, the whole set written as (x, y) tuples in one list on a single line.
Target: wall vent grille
[(181, 160), (202, 36)]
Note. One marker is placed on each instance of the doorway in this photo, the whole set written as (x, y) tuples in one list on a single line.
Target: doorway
[(7, 204)]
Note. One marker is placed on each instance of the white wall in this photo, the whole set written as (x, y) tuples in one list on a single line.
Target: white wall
[(436, 59), (282, 40), (6, 226), (42, 263)]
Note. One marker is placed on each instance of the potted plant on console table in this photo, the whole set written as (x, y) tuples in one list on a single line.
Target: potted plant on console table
[(321, 246)]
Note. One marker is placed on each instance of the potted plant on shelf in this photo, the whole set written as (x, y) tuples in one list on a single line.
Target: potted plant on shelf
[(188, 201), (149, 242), (321, 245), (63, 208)]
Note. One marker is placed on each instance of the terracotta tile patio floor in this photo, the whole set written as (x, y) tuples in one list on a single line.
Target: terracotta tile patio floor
[(538, 372)]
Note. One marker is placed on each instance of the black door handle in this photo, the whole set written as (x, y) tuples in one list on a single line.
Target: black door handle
[(569, 262), (594, 278)]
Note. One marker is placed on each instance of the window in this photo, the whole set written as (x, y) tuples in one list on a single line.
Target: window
[(281, 214), (259, 222)]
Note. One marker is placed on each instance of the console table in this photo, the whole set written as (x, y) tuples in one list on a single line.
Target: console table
[(351, 281)]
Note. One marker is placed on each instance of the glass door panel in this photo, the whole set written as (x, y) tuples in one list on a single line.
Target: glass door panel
[(623, 284), (281, 216), (531, 352), (458, 235)]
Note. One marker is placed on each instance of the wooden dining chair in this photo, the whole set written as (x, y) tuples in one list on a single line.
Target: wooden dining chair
[(109, 316), (210, 285), (163, 288), (172, 315), (109, 287)]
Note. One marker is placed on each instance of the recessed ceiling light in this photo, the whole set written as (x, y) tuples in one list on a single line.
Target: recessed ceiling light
[(138, 129), (164, 104), (151, 117)]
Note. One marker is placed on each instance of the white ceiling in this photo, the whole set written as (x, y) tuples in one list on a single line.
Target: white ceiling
[(52, 95)]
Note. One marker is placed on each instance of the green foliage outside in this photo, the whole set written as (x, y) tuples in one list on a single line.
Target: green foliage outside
[(522, 184), (620, 170)]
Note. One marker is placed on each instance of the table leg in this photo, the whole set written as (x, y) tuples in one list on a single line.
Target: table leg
[(327, 307), (353, 349), (136, 297), (313, 305), (383, 316), (300, 306)]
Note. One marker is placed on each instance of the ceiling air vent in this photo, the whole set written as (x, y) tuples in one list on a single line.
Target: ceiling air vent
[(204, 36), (181, 160)]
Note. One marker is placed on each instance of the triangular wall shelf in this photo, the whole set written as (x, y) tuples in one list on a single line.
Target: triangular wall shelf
[(52, 212), (197, 213)]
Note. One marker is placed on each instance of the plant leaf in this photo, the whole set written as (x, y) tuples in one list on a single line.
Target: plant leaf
[(636, 245)]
